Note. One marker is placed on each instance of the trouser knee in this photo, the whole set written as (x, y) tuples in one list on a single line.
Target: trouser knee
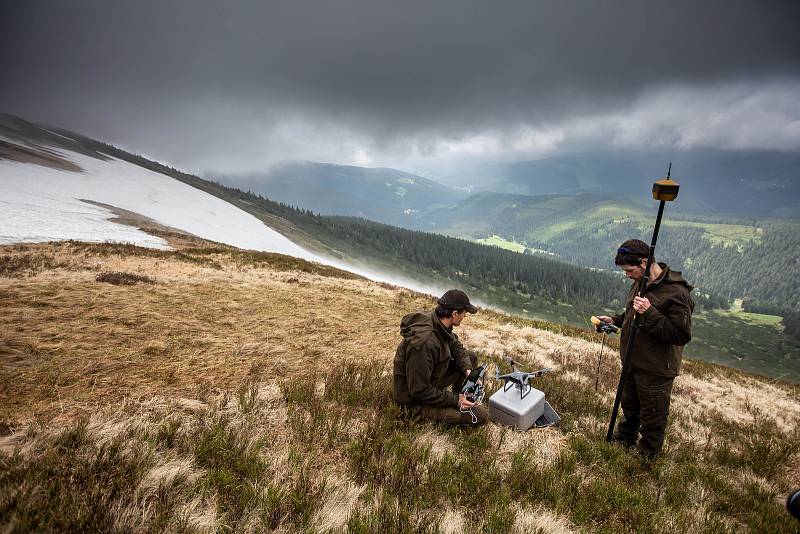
[(628, 428), (654, 394), (481, 415), (477, 416)]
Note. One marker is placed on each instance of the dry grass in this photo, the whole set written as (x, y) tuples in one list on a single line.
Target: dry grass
[(38, 155), (70, 344), (541, 521), (287, 364), (340, 500)]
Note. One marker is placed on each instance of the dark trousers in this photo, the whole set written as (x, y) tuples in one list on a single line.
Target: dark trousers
[(447, 415), (645, 408)]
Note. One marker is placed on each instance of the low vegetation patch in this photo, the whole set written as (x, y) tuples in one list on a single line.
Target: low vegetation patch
[(17, 265), (118, 278), (273, 457)]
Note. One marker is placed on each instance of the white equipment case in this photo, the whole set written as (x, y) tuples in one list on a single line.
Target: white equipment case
[(521, 408)]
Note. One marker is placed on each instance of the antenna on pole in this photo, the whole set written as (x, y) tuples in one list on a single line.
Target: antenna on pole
[(664, 190)]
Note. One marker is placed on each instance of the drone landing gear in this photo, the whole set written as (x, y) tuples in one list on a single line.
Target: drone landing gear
[(523, 390)]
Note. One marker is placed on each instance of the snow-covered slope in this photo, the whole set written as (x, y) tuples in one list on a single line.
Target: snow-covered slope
[(39, 203)]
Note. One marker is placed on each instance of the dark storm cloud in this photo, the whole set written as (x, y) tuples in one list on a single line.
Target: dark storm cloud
[(165, 76)]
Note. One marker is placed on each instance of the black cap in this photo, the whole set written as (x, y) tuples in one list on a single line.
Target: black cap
[(456, 299)]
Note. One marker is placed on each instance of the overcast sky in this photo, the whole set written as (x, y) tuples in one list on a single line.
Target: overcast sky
[(422, 86)]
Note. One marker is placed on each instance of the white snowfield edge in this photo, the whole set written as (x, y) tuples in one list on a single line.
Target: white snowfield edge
[(42, 204), (52, 208)]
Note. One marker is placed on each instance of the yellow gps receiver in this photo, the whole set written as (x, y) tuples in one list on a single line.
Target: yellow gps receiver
[(666, 189)]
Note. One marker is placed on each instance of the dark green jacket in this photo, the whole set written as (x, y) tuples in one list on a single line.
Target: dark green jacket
[(664, 328), (423, 358)]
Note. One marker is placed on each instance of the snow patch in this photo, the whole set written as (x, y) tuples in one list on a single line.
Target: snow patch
[(40, 204)]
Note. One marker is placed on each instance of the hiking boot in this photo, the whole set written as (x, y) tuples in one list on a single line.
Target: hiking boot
[(628, 443)]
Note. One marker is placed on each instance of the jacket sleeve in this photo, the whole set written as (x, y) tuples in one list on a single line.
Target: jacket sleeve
[(618, 319), (461, 355), (419, 367), (675, 327)]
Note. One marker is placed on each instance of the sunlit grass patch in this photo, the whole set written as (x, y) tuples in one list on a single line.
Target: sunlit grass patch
[(17, 265), (498, 241)]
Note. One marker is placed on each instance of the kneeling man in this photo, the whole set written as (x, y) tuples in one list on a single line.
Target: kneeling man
[(430, 359)]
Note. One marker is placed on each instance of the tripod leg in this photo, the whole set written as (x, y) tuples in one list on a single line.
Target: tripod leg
[(600, 359)]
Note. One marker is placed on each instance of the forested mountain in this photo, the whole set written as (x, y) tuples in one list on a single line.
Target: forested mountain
[(732, 258), (716, 232), (379, 194), (755, 184)]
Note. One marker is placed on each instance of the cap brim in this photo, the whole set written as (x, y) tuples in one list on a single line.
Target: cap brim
[(472, 309)]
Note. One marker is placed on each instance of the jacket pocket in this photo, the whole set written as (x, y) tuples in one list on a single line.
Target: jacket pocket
[(654, 357)]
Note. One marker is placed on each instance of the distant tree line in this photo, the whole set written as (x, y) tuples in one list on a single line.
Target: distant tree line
[(479, 265), (791, 323), (458, 259)]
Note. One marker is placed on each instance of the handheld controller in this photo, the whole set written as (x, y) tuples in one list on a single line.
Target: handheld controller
[(473, 385), (602, 327)]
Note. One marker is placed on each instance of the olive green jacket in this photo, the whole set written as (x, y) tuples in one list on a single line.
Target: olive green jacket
[(423, 358), (664, 328)]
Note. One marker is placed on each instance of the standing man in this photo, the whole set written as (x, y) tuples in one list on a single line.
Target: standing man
[(665, 327), (430, 359)]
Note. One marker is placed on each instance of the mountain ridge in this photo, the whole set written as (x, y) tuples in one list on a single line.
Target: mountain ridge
[(381, 194), (761, 184)]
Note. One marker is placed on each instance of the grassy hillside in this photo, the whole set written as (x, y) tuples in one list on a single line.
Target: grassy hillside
[(230, 390)]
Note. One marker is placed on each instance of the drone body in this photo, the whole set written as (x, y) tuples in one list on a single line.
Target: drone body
[(518, 379)]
